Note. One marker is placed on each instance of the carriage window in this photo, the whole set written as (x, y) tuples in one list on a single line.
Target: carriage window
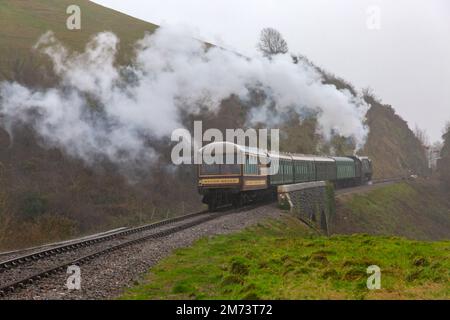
[(210, 169), (222, 169), (230, 169), (251, 165)]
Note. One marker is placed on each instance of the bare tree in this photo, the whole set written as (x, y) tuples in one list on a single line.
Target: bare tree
[(446, 128), (422, 136), (445, 151), (370, 97), (271, 43)]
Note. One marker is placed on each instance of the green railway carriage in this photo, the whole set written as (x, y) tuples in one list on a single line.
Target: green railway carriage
[(285, 173), (325, 169), (304, 168), (345, 168), (293, 169), (346, 174)]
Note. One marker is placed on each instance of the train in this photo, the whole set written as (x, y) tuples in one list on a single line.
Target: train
[(251, 176)]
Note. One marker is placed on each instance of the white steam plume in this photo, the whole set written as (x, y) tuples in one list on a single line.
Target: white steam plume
[(171, 71)]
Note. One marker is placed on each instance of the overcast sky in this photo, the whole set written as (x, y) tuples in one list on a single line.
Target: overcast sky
[(405, 57)]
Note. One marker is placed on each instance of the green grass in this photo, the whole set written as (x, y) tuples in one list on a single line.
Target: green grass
[(23, 22), (282, 260), (417, 210)]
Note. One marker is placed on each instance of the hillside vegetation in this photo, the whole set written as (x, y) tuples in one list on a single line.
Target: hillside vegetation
[(417, 210), (282, 260), (392, 145), (22, 22)]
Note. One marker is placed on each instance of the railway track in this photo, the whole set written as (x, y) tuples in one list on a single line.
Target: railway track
[(9, 255), (26, 270), (374, 183)]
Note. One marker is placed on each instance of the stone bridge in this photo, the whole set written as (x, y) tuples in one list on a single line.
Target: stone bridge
[(312, 202)]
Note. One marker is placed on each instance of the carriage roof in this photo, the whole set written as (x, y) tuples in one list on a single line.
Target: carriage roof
[(343, 159), (302, 157), (323, 159), (226, 147)]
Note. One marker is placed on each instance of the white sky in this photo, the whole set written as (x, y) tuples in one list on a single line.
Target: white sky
[(406, 61)]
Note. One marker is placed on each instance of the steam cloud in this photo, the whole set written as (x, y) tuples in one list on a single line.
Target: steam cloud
[(171, 71)]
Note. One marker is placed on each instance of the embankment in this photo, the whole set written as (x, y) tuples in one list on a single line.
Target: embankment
[(415, 209)]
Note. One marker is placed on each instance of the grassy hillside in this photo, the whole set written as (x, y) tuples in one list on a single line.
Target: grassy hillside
[(22, 22), (417, 210), (281, 260)]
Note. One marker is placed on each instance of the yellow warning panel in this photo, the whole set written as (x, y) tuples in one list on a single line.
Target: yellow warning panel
[(206, 182), (255, 183)]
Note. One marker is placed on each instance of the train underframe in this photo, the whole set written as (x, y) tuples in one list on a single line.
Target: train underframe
[(348, 183), (352, 182), (216, 198), (221, 197)]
